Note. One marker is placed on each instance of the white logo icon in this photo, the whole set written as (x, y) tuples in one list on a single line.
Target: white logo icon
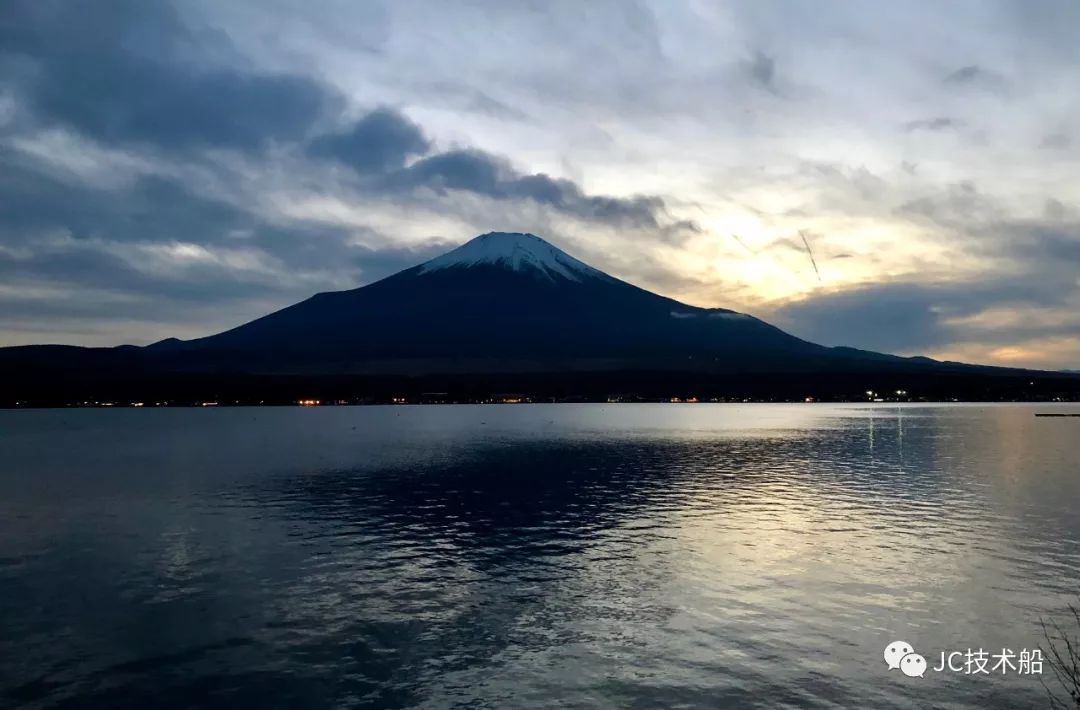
[(901, 654), (913, 665), (895, 651)]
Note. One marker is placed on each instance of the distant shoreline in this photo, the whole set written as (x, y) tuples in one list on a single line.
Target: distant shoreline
[(672, 401), (36, 383)]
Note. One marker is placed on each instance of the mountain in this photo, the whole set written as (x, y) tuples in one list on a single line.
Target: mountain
[(500, 297), (503, 310)]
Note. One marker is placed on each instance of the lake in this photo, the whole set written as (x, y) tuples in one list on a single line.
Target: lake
[(593, 556)]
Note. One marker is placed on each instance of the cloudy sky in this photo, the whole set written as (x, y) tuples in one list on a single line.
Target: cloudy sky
[(176, 168)]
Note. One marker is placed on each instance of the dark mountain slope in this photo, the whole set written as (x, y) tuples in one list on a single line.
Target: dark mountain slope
[(497, 305)]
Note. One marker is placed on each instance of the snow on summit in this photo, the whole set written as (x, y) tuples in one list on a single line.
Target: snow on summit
[(517, 252)]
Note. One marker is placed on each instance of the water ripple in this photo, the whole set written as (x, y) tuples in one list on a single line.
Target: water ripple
[(593, 556)]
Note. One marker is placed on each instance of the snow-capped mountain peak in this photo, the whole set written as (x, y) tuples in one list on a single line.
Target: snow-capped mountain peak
[(515, 251)]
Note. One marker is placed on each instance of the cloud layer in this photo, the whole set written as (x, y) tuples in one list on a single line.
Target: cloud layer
[(899, 177)]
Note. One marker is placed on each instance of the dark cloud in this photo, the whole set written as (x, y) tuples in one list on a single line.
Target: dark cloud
[(485, 174), (1037, 262), (1053, 243), (911, 317), (77, 264), (975, 76), (469, 170), (151, 209), (129, 74), (380, 141), (131, 71), (957, 205), (378, 145), (132, 75), (762, 70), (938, 123), (888, 318), (76, 236), (1056, 141), (1056, 210)]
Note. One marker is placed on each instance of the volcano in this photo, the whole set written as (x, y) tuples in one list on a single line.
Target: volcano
[(505, 310), (512, 300)]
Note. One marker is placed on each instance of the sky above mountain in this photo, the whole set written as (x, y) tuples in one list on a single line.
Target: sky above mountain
[(893, 176)]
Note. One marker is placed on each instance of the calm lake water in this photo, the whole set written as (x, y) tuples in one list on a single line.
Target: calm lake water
[(606, 556)]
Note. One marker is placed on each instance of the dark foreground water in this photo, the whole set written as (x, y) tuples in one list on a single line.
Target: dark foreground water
[(557, 556)]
